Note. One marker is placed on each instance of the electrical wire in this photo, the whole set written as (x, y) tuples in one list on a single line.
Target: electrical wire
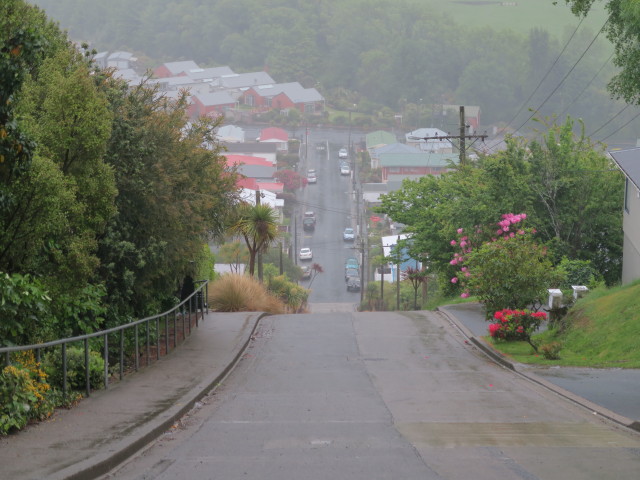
[(608, 121), (586, 86), (534, 111), (616, 131)]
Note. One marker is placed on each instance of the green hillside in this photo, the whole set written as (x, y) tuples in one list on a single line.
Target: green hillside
[(520, 15), (603, 331)]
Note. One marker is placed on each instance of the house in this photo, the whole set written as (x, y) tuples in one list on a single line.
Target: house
[(395, 147), (244, 80), (629, 162), (428, 140), (415, 165), (275, 135), (175, 69), (121, 60), (252, 167), (211, 104), (266, 150), (230, 134), (471, 115), (375, 140), (208, 75), (283, 96), (389, 244)]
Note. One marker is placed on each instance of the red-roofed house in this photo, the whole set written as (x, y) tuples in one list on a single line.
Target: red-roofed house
[(274, 187), (233, 160), (246, 182), (275, 135), (175, 69)]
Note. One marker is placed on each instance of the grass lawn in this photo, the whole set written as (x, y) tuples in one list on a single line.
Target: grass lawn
[(603, 331), (521, 17)]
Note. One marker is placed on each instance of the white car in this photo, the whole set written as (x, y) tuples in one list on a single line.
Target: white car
[(342, 153), (349, 235), (306, 254), (311, 178), (345, 170)]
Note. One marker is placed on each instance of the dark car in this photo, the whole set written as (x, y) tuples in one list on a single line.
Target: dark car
[(306, 272), (309, 224), (351, 273), (353, 284)]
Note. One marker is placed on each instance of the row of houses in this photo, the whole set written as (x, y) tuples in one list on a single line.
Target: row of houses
[(217, 91)]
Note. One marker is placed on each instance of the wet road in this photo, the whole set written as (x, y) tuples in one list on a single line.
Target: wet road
[(616, 389), (383, 396)]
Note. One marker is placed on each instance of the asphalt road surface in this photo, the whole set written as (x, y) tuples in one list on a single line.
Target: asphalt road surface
[(382, 396)]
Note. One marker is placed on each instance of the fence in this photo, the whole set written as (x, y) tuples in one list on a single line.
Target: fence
[(164, 327)]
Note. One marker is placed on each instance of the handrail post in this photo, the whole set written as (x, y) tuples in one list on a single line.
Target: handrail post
[(106, 360), (121, 354), (64, 371), (157, 338), (166, 333), (86, 367), (137, 347)]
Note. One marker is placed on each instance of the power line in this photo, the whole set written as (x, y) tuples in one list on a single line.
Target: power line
[(609, 121), (544, 77), (616, 131), (534, 111), (586, 86)]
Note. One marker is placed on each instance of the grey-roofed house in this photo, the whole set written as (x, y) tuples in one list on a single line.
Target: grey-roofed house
[(415, 164), (230, 134), (259, 172), (629, 162), (174, 69), (209, 74), (211, 104), (245, 80), (121, 60), (432, 143), (284, 96), (398, 148), (100, 59), (266, 150)]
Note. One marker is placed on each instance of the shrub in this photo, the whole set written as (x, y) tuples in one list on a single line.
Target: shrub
[(551, 351), (516, 325), (24, 394), (75, 369), (240, 293)]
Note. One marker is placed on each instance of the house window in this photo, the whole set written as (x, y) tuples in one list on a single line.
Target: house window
[(249, 100), (626, 194), (309, 108), (268, 101)]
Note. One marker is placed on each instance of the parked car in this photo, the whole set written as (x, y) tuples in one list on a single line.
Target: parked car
[(311, 178), (308, 224), (321, 146), (345, 170), (342, 153), (306, 254), (306, 272), (349, 235), (351, 263), (351, 273), (309, 214), (353, 284)]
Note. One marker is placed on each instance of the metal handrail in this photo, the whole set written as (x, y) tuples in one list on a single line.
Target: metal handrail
[(197, 299)]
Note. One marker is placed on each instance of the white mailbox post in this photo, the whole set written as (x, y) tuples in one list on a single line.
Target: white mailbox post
[(579, 291), (555, 298)]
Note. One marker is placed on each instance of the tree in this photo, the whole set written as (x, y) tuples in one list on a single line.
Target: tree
[(291, 180), (417, 277), (316, 269), (509, 273), (258, 225), (623, 30), (234, 254)]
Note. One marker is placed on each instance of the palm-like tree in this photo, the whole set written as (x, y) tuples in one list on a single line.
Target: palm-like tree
[(258, 225)]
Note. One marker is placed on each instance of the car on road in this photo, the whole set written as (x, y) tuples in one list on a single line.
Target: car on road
[(306, 272), (345, 170), (349, 235), (311, 178), (351, 263), (342, 153), (351, 273), (305, 254), (353, 284), (321, 146), (308, 224)]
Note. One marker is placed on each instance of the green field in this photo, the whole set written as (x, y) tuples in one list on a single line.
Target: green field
[(522, 16)]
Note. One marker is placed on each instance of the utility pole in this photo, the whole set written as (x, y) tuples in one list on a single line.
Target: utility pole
[(462, 137), (281, 264), (362, 270), (398, 274), (259, 251)]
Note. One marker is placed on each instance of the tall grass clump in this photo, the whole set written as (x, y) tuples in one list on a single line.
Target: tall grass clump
[(242, 293)]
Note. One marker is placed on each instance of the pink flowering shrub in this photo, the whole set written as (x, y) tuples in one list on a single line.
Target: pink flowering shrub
[(516, 325)]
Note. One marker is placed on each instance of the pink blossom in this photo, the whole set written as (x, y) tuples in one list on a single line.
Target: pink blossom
[(456, 254), (499, 232), (453, 243), (467, 274), (453, 262), (454, 280), (512, 235), (464, 269), (464, 294), (460, 230), (523, 215), (463, 244), (520, 232)]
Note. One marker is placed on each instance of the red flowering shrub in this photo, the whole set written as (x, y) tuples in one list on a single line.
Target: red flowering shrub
[(516, 325)]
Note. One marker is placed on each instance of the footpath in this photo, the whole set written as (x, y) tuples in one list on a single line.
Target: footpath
[(92, 438), (103, 430)]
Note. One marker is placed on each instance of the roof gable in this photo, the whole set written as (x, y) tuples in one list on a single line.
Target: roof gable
[(629, 163), (274, 133), (215, 98), (419, 159)]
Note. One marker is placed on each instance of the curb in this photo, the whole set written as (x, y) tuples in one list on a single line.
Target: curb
[(93, 468), (503, 361)]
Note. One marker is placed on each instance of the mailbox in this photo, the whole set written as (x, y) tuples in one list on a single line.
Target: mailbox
[(555, 298)]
